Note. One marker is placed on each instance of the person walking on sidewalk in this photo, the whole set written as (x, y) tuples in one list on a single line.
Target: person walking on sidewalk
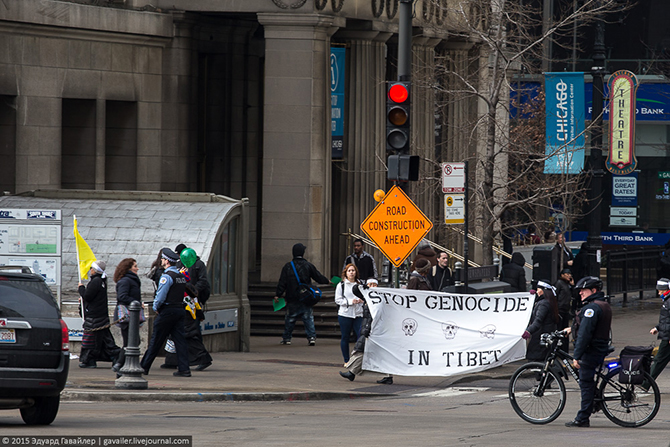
[(127, 291), (169, 308), (196, 275), (592, 326), (662, 329), (350, 312), (98, 342), (288, 284)]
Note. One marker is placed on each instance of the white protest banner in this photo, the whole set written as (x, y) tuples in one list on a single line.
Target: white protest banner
[(420, 333)]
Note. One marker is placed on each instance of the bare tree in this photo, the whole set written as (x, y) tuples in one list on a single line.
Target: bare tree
[(508, 37)]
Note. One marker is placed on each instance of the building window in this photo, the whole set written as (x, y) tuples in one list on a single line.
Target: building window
[(8, 143), (121, 145), (78, 144), (223, 268)]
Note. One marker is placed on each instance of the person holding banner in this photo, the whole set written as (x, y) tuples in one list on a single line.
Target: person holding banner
[(543, 319), (350, 312), (418, 279)]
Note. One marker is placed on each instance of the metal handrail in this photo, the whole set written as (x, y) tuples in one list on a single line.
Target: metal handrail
[(495, 249), (432, 244)]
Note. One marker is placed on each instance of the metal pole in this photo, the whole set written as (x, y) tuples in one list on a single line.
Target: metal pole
[(405, 41), (466, 248), (595, 163), (132, 371)]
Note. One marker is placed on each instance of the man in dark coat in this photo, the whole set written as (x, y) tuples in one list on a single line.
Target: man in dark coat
[(288, 284), (564, 286), (98, 343), (514, 273), (592, 327), (169, 307), (197, 353), (364, 262), (441, 273), (662, 331)]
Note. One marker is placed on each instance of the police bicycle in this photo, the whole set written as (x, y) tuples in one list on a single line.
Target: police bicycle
[(537, 392)]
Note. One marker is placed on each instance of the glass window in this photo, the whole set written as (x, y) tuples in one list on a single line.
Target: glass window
[(222, 269)]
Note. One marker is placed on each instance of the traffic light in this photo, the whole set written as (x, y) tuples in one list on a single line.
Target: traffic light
[(397, 117), (403, 168)]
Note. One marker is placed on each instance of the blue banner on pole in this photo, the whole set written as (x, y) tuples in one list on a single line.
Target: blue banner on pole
[(337, 58), (564, 106)]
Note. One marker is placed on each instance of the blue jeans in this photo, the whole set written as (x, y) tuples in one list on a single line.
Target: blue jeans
[(295, 309), (346, 325), (588, 365)]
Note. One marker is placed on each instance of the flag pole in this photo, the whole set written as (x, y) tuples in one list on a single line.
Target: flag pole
[(81, 302)]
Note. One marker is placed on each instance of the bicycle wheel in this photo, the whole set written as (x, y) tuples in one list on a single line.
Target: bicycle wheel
[(535, 398), (629, 405)]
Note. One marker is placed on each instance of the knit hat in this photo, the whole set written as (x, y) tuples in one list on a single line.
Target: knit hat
[(564, 271), (179, 248), (168, 254), (545, 285), (663, 284), (422, 266)]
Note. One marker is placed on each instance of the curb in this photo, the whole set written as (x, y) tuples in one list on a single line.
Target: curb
[(153, 396)]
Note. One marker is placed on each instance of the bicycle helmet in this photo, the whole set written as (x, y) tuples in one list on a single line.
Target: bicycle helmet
[(589, 282)]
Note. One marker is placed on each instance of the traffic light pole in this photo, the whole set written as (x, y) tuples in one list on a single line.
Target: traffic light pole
[(405, 40)]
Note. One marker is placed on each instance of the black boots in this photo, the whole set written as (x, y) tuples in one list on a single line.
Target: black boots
[(348, 375)]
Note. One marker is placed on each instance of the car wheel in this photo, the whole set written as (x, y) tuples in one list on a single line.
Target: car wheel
[(43, 412)]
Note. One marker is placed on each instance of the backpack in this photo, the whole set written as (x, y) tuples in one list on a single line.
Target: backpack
[(307, 295), (635, 361)]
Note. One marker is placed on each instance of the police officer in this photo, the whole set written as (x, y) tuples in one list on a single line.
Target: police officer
[(592, 341), (169, 307)]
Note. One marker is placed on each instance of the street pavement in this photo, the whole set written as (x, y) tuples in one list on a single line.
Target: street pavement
[(271, 371)]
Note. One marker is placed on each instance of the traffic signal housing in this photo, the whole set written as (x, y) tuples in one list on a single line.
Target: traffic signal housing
[(397, 117)]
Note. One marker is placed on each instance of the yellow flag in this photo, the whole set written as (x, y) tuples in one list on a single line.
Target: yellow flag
[(85, 256)]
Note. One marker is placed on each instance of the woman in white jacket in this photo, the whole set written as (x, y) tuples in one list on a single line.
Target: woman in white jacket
[(350, 314)]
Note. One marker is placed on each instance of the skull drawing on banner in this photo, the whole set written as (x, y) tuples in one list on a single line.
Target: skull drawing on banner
[(488, 331), (449, 328), (409, 326)]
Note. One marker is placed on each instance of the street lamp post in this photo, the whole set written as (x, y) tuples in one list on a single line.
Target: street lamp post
[(595, 162)]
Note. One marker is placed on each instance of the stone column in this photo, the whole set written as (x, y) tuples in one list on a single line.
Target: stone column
[(423, 193), (365, 151), (296, 140)]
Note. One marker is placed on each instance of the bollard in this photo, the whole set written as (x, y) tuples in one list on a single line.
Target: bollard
[(496, 263), (132, 371)]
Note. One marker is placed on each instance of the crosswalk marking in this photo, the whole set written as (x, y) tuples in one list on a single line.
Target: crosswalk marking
[(450, 392)]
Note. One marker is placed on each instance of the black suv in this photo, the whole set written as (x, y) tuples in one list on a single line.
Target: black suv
[(34, 350)]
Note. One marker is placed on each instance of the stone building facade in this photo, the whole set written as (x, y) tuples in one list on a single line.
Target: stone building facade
[(229, 97)]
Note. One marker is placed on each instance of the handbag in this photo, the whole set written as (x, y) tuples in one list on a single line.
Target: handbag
[(307, 295), (122, 315)]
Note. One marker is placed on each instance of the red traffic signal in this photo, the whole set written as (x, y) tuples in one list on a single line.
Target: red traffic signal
[(397, 117)]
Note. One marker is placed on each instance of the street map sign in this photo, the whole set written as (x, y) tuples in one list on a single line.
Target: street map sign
[(396, 226), (453, 178), (454, 208)]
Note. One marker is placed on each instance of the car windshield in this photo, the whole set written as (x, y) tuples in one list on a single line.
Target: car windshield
[(27, 299)]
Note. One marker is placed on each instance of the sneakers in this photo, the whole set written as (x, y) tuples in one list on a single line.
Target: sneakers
[(182, 373), (285, 342), (577, 423), (312, 341)]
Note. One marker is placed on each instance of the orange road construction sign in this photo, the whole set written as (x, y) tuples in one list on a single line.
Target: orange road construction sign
[(396, 226)]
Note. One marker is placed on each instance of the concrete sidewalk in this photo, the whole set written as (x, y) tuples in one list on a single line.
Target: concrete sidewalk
[(271, 371)]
